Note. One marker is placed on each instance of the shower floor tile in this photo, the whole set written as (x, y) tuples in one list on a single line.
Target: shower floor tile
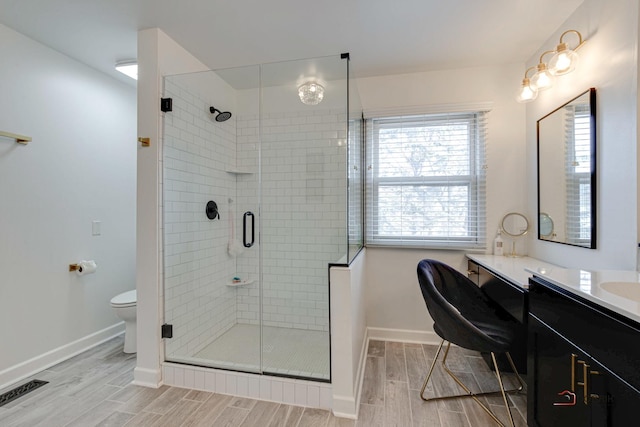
[(285, 351)]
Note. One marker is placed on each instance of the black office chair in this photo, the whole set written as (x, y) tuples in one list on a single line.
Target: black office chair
[(465, 316)]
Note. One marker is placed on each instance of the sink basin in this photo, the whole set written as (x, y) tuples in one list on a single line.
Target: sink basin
[(630, 290)]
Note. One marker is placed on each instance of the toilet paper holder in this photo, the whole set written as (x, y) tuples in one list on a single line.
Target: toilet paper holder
[(83, 267)]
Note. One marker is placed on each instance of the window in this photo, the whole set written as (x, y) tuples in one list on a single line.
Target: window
[(578, 174), (426, 181)]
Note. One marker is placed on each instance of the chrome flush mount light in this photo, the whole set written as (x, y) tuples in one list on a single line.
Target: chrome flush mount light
[(128, 68), (311, 93), (564, 61)]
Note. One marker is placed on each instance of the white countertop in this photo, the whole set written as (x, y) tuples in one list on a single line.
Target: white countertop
[(588, 284), (514, 270), (592, 285)]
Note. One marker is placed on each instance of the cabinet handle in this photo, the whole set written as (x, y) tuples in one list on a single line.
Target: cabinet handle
[(583, 383), (594, 395), (585, 375), (573, 372)]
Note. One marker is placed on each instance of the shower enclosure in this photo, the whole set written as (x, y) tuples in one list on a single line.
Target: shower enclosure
[(261, 192)]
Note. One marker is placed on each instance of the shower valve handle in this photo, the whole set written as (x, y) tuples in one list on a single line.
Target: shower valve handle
[(244, 229)]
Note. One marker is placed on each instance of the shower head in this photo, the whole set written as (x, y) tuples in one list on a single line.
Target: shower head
[(222, 116)]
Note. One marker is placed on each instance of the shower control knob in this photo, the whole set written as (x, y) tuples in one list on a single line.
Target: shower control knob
[(212, 210)]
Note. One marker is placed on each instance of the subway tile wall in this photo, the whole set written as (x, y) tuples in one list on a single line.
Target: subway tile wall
[(303, 218)]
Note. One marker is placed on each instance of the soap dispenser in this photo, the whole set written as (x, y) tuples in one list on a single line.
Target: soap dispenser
[(498, 244)]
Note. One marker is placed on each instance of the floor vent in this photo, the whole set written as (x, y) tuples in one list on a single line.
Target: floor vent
[(20, 391)]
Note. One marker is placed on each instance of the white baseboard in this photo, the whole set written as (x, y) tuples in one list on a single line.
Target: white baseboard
[(39, 363), (147, 377), (403, 335), (361, 366), (343, 407)]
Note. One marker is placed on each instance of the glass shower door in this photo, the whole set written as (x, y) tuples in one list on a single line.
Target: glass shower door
[(211, 224), (303, 208)]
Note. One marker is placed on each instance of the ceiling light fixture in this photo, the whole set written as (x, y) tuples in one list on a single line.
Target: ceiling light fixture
[(565, 59), (311, 93), (562, 62), (129, 68), (526, 92)]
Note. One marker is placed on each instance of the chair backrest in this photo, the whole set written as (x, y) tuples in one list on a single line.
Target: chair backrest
[(458, 308)]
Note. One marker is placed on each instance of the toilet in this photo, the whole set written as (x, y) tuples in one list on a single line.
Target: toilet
[(124, 305)]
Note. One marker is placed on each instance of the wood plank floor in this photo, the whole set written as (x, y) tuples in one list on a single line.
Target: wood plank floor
[(93, 389)]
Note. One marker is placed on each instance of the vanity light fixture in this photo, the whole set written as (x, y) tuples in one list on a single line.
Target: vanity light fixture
[(565, 59), (527, 93), (562, 62), (129, 68), (311, 93), (542, 79)]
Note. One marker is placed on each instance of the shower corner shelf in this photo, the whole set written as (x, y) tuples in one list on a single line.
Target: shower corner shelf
[(241, 283), (239, 171)]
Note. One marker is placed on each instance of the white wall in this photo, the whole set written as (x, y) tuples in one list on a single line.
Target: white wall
[(608, 62), (393, 298), (80, 167)]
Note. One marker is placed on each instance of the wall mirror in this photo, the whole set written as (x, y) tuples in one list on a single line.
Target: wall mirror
[(567, 173)]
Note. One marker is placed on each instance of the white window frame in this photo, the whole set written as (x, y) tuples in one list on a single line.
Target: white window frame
[(475, 182)]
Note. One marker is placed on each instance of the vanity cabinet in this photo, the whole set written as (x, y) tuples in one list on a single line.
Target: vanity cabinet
[(584, 362), (513, 299)]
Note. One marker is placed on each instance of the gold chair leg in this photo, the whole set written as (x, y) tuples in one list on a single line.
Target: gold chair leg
[(515, 371), (469, 393), (433, 364), (504, 394)]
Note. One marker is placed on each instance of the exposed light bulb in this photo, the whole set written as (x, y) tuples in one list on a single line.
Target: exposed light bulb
[(526, 92), (543, 79), (564, 61)]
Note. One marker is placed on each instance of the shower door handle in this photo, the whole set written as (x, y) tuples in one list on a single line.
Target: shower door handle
[(244, 229)]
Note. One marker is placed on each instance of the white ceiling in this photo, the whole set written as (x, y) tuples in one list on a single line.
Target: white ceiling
[(383, 37)]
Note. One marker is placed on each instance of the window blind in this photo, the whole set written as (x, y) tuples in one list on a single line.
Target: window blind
[(578, 174), (426, 181)]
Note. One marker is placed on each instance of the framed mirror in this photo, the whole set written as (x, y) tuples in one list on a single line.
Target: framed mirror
[(567, 173)]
